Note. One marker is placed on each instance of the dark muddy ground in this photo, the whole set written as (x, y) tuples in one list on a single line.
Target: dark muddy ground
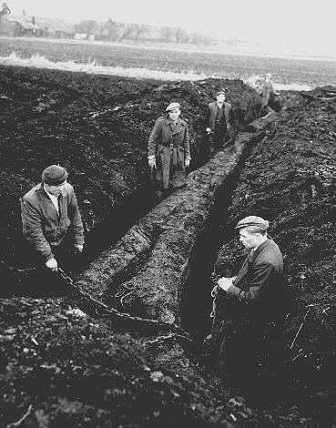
[(60, 367), (98, 128)]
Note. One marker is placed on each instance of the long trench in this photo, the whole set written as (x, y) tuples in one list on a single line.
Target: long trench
[(196, 302), (161, 268)]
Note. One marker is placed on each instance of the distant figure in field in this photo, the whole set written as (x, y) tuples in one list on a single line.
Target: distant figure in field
[(169, 150), (219, 121), (51, 219), (269, 99)]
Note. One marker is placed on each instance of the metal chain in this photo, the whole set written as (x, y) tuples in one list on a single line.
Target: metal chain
[(102, 310)]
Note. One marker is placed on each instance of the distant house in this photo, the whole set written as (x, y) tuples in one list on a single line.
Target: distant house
[(58, 28), (15, 25), (80, 36)]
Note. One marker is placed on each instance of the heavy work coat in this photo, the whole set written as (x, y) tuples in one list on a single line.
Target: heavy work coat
[(261, 282), (170, 144), (43, 226), (252, 310), (212, 115)]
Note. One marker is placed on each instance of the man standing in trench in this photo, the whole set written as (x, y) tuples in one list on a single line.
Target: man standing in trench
[(219, 119), (253, 300), (269, 99), (51, 218), (169, 150)]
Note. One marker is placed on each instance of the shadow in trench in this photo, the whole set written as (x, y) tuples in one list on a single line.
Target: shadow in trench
[(196, 302)]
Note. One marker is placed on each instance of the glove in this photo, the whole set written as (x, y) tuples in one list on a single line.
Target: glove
[(52, 264), (208, 130), (151, 161), (79, 247), (224, 283), (187, 162)]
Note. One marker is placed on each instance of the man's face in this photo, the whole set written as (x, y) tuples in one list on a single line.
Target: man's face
[(174, 114), (221, 98), (248, 239), (55, 190)]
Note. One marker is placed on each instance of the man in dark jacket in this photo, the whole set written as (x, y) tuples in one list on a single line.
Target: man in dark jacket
[(260, 279), (219, 121), (255, 299), (50, 215), (169, 149)]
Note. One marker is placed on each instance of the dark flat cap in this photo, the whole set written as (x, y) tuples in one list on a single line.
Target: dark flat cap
[(54, 175)]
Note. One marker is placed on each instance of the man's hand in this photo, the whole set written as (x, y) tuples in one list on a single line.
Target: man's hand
[(187, 162), (208, 130), (151, 161), (224, 283), (52, 264), (79, 247)]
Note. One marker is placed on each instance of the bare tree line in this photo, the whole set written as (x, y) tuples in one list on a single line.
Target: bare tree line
[(90, 29), (116, 31)]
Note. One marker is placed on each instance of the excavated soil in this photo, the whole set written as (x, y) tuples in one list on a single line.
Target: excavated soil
[(62, 367)]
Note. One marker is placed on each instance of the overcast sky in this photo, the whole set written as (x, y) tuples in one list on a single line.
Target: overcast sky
[(298, 24)]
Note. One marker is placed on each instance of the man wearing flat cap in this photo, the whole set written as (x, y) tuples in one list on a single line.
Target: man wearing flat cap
[(253, 299), (50, 215), (261, 275), (219, 121), (169, 150)]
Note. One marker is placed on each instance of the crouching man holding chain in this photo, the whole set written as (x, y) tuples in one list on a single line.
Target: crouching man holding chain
[(247, 303), (51, 220)]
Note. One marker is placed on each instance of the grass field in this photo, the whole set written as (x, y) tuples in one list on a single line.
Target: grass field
[(165, 64)]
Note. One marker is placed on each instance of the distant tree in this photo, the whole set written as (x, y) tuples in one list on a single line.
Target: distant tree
[(167, 34), (88, 26), (181, 36), (134, 32), (142, 31), (199, 39), (112, 30)]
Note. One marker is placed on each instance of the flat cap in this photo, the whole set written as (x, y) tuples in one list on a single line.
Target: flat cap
[(221, 91), (54, 175), (253, 220), (173, 106)]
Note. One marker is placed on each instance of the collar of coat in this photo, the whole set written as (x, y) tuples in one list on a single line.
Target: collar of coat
[(214, 104), (40, 189), (253, 254), (170, 122)]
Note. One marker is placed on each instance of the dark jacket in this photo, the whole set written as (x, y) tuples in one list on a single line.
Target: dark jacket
[(261, 273), (212, 115), (261, 282), (170, 144), (43, 227)]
